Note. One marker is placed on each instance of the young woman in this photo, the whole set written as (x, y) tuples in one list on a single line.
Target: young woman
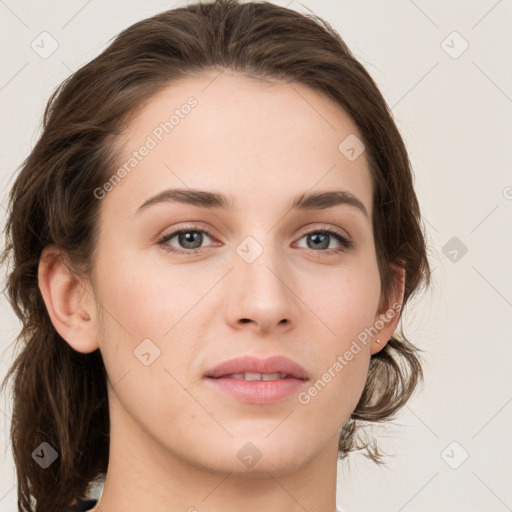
[(212, 243)]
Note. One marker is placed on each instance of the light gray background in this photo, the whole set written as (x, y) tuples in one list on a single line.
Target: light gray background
[(455, 115)]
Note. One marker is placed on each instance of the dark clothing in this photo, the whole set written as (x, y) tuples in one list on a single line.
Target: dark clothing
[(82, 506)]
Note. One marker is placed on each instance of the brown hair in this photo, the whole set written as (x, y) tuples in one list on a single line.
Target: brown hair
[(60, 395)]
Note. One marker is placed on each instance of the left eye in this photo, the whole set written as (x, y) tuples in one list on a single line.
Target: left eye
[(320, 239), (191, 240)]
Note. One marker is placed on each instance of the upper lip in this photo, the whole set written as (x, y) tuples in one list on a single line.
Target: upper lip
[(274, 364)]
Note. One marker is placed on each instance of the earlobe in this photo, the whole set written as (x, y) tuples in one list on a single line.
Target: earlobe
[(386, 319), (68, 303)]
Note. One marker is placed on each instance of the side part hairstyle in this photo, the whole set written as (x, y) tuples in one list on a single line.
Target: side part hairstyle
[(60, 395)]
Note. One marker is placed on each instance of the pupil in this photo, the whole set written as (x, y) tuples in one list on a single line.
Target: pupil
[(188, 237), (319, 238)]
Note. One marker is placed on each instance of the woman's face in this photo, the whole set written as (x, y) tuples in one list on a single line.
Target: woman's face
[(255, 277)]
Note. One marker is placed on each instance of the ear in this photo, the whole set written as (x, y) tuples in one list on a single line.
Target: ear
[(386, 319), (69, 301)]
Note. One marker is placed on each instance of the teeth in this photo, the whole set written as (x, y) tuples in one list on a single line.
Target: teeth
[(252, 376), (257, 376), (271, 376)]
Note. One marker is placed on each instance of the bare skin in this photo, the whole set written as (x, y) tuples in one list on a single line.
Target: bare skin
[(176, 439)]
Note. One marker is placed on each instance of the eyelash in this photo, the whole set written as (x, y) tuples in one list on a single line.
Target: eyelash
[(345, 243)]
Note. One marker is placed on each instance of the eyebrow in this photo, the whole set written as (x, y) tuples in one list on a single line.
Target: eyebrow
[(208, 199)]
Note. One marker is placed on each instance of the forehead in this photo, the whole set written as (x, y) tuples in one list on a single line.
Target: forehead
[(251, 139)]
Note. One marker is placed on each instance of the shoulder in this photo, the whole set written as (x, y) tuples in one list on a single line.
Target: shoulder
[(82, 505)]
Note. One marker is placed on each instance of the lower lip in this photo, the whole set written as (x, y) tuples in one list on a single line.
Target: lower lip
[(259, 391)]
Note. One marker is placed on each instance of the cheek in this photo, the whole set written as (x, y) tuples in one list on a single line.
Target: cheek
[(146, 309), (347, 300), (336, 387), (347, 307), (145, 300)]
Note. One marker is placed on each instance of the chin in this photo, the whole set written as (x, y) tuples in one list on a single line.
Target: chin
[(257, 456)]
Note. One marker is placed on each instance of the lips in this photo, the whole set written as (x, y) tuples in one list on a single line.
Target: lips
[(251, 365), (258, 381)]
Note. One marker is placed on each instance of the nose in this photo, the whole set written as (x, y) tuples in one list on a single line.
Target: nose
[(260, 288)]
